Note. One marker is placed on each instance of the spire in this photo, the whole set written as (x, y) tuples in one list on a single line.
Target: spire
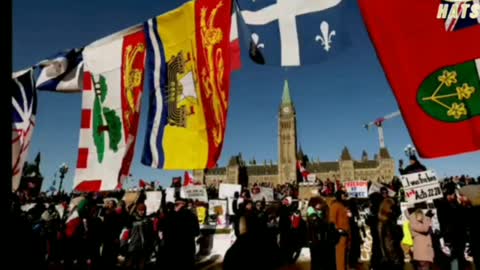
[(300, 154), (286, 99), (345, 154)]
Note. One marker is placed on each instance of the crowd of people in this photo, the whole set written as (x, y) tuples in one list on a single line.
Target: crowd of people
[(103, 231)]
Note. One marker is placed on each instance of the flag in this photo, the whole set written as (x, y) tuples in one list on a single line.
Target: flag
[(142, 184), (189, 80), (434, 73), (459, 15), (62, 73), (24, 103), (74, 220), (294, 33), (235, 59), (113, 85), (188, 179), (302, 170)]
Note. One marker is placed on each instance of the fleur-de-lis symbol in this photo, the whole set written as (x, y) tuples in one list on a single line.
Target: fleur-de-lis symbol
[(326, 35), (256, 41)]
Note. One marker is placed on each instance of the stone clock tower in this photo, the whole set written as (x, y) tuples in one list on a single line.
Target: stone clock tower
[(287, 139)]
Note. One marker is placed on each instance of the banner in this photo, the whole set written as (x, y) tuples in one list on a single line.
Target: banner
[(357, 189), (153, 201), (421, 187), (194, 193)]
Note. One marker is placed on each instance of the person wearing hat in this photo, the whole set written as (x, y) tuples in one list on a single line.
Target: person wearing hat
[(340, 216), (413, 167)]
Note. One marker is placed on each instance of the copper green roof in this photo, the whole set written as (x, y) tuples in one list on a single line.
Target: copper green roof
[(286, 99)]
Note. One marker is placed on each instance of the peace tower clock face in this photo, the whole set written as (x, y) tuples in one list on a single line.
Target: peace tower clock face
[(286, 109)]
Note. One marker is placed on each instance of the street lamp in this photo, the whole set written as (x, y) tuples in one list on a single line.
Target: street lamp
[(63, 170), (410, 150)]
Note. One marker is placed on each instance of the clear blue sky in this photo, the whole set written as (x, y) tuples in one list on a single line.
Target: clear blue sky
[(333, 100)]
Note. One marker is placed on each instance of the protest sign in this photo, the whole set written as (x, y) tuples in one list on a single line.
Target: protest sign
[(170, 195), (357, 189), (421, 187), (226, 191), (153, 201), (201, 214), (194, 193), (218, 208), (265, 192), (375, 187)]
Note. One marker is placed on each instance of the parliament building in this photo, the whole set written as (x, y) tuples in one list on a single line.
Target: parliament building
[(380, 168)]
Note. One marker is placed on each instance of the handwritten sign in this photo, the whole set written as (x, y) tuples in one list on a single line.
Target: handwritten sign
[(194, 193), (357, 189), (421, 187)]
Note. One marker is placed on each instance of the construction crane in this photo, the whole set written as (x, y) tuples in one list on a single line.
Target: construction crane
[(379, 124)]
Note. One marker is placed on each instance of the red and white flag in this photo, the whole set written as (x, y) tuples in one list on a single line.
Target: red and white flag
[(235, 58), (188, 179), (302, 170)]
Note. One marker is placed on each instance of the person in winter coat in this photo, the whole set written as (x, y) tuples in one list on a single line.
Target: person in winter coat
[(140, 239), (390, 236), (181, 228), (251, 251), (421, 226), (413, 167), (340, 216), (322, 236), (452, 218)]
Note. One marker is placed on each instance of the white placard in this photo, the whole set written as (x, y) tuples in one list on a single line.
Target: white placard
[(421, 187), (311, 177), (226, 191), (194, 193), (153, 201), (357, 189), (266, 193), (170, 195)]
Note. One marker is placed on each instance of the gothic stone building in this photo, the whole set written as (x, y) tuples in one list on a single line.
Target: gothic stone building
[(380, 168)]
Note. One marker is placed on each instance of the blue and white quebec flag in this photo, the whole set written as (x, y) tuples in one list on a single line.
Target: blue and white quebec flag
[(293, 32)]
